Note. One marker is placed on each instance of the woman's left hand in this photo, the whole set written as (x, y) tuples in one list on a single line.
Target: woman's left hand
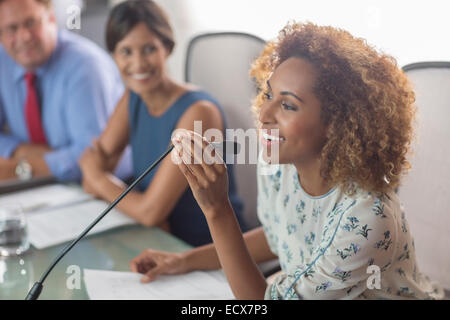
[(204, 170)]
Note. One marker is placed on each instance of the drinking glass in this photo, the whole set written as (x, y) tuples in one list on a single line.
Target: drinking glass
[(13, 230)]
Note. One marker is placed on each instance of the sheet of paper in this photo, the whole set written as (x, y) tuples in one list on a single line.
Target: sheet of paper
[(63, 224), (45, 197), (197, 285)]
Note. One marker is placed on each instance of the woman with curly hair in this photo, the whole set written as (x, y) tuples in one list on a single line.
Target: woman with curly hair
[(340, 115)]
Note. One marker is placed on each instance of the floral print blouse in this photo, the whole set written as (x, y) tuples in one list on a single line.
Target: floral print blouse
[(337, 246)]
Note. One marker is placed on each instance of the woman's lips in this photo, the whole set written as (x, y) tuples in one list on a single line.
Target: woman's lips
[(268, 140), (140, 76)]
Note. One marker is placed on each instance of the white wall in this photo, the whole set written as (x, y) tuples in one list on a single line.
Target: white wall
[(411, 31), (61, 6)]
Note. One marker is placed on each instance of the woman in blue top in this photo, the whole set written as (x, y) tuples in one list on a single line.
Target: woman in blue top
[(140, 39)]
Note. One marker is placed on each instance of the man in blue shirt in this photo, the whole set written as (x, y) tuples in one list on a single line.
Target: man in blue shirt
[(57, 90)]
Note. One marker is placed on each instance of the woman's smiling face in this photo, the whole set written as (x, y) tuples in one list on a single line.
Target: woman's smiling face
[(292, 107), (141, 57)]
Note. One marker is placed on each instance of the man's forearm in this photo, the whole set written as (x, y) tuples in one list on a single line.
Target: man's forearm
[(8, 167), (39, 166), (25, 150)]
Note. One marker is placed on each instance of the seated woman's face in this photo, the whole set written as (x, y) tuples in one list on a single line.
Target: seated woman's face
[(140, 57), (291, 107)]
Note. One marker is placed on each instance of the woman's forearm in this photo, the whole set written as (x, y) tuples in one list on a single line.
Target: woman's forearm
[(257, 245), (244, 277), (205, 257), (111, 187)]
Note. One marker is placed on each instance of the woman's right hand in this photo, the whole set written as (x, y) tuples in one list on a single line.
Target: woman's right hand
[(204, 169), (152, 263)]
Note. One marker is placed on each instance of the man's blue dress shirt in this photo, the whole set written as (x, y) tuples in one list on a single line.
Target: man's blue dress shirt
[(78, 86)]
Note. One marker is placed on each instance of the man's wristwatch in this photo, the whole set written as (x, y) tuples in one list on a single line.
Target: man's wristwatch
[(24, 171)]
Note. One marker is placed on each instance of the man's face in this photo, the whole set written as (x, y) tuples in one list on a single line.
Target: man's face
[(27, 32)]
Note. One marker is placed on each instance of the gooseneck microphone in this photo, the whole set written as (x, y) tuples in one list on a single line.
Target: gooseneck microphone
[(226, 147)]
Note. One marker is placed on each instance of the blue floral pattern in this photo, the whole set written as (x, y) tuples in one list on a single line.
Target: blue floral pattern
[(342, 275), (347, 252), (378, 208), (327, 244), (324, 286), (386, 242)]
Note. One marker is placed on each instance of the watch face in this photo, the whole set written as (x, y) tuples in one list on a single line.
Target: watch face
[(24, 170)]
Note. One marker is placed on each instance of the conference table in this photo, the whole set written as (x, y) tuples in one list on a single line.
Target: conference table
[(109, 250)]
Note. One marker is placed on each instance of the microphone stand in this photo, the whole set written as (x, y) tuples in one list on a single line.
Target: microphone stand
[(35, 291)]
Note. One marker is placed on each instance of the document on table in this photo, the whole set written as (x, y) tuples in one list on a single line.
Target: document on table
[(46, 197), (55, 226), (197, 285)]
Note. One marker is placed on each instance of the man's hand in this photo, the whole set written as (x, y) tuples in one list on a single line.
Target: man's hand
[(25, 150), (7, 169)]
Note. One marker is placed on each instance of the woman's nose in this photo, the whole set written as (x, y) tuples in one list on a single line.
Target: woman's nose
[(140, 62), (267, 113)]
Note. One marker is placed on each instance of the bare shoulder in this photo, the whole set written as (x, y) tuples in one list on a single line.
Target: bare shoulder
[(115, 136), (123, 102), (206, 112)]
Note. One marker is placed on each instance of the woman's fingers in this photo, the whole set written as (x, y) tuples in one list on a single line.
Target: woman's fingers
[(200, 157), (194, 160), (212, 159), (153, 273), (190, 177), (152, 263), (134, 265), (145, 260)]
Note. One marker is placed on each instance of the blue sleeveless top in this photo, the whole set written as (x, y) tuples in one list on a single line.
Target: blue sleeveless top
[(149, 138)]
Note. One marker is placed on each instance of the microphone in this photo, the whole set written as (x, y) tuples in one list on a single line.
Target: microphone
[(226, 146)]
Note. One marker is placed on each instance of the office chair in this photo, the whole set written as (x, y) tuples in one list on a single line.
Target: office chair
[(425, 191), (220, 63)]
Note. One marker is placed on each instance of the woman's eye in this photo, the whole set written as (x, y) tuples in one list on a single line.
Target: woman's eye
[(289, 107), (149, 49), (268, 95), (125, 51)]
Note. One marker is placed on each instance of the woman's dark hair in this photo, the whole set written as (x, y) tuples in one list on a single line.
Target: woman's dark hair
[(125, 16)]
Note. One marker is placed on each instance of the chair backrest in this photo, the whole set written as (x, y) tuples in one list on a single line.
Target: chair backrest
[(220, 64), (425, 191)]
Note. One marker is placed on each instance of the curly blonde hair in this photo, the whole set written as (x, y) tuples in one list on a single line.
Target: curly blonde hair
[(366, 102)]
